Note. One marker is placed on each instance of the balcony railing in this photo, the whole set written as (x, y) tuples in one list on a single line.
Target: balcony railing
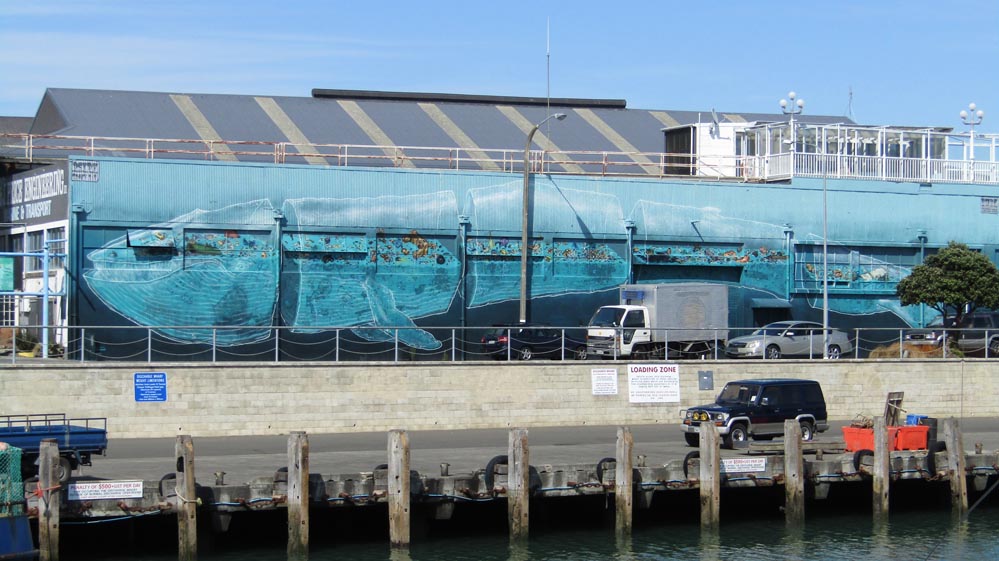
[(765, 167)]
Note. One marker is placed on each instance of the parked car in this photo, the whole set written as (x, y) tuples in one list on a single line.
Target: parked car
[(789, 338), (757, 409), (979, 333), (526, 342), (933, 333)]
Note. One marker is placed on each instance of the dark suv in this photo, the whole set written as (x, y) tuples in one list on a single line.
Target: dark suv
[(979, 333), (758, 409), (525, 342)]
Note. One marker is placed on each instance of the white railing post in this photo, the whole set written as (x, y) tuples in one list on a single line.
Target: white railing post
[(397, 344), (454, 341), (149, 345), (336, 354), (215, 341), (83, 343), (277, 339)]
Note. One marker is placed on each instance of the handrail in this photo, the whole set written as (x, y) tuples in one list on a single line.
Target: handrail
[(150, 344), (776, 166)]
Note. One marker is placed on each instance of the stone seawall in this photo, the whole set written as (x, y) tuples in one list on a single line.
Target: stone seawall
[(260, 399)]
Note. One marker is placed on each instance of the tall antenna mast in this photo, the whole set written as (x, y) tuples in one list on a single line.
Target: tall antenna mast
[(849, 105), (548, 73)]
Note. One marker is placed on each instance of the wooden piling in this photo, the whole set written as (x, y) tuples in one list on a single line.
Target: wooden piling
[(623, 482), (956, 464), (398, 488), (298, 496), (518, 485), (50, 502), (187, 500), (710, 477), (881, 478), (794, 474)]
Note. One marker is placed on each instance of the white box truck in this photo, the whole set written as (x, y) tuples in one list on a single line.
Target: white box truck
[(661, 321)]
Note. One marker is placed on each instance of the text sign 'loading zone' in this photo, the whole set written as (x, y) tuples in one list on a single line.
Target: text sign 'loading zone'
[(150, 386)]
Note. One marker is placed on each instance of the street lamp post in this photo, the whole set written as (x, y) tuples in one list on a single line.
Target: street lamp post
[(524, 248), (796, 107), (972, 119)]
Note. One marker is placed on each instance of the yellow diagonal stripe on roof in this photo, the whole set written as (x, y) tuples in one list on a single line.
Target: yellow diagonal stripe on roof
[(374, 132), (733, 118), (290, 130), (540, 139), (617, 140), (665, 118), (451, 129), (201, 125)]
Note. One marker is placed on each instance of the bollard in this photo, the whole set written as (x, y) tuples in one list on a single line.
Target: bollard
[(794, 470), (187, 500), (298, 496), (623, 482), (882, 471), (710, 484), (50, 502), (956, 463), (518, 485), (398, 488)]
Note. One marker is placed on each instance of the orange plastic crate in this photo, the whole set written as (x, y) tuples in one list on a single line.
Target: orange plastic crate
[(912, 437), (863, 439)]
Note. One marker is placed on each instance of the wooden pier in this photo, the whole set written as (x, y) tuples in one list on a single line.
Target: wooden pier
[(804, 469)]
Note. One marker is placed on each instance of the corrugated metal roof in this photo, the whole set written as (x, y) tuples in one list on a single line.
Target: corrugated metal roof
[(15, 125), (362, 118)]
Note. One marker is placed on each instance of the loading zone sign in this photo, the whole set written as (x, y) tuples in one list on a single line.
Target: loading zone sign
[(653, 383), (150, 386)]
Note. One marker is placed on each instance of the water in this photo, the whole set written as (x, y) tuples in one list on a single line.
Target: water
[(922, 535)]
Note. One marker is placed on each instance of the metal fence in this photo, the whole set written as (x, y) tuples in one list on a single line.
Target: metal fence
[(408, 344)]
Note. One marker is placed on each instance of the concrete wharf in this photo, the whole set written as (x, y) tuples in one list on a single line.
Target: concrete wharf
[(806, 471)]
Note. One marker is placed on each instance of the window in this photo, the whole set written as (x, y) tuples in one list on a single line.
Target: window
[(35, 244), (57, 247)]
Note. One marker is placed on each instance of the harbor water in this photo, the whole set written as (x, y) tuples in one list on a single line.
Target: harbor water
[(912, 535)]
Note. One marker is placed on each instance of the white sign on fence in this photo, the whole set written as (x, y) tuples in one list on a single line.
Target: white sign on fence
[(94, 490), (604, 381), (743, 465), (654, 383)]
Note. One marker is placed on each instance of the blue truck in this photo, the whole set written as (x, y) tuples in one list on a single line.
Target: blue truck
[(78, 439)]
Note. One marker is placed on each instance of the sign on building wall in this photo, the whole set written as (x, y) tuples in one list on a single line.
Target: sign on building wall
[(38, 196), (653, 383), (6, 274), (150, 386), (603, 381)]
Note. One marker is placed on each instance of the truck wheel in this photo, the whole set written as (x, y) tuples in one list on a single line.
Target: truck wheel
[(773, 352), (834, 352), (640, 352), (692, 438), (525, 353), (808, 429), (994, 348), (64, 470), (737, 434), (580, 353)]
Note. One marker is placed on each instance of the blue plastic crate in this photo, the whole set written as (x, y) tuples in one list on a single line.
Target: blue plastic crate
[(914, 419)]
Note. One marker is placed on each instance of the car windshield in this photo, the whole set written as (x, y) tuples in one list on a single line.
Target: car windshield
[(607, 317), (743, 394)]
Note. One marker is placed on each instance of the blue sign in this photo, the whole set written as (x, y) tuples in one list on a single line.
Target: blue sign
[(150, 386)]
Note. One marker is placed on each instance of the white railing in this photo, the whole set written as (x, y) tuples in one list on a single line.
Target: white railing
[(369, 344), (767, 167)]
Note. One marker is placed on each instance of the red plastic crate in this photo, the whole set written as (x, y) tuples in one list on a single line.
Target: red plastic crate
[(912, 437), (863, 439), (899, 438)]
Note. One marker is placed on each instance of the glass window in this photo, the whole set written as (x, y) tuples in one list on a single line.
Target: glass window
[(36, 241), (57, 246)]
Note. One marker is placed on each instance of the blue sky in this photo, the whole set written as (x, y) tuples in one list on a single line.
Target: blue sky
[(912, 62)]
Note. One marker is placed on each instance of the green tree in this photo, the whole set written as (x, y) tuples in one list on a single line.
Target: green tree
[(954, 281)]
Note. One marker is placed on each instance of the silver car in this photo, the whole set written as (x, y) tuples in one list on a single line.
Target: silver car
[(789, 338)]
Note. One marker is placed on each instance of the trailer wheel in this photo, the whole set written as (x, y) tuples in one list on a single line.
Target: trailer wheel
[(64, 470)]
